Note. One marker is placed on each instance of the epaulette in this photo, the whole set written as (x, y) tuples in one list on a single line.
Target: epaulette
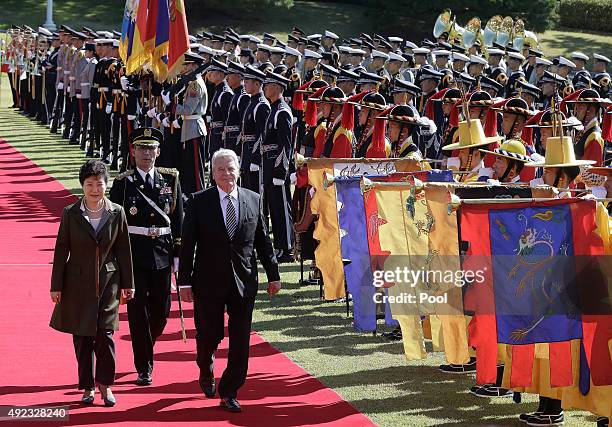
[(124, 174), (171, 171)]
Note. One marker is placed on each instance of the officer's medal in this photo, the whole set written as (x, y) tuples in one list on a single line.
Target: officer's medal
[(133, 210)]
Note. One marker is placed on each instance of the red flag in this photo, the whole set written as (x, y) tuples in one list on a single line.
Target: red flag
[(179, 36)]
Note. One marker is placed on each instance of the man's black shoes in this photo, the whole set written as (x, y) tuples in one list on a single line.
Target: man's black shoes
[(208, 386), (144, 379), (230, 404)]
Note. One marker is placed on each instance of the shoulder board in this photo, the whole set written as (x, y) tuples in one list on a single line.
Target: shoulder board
[(124, 174), (171, 171)]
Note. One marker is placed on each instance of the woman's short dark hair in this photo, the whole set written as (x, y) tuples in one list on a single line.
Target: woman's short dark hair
[(95, 168)]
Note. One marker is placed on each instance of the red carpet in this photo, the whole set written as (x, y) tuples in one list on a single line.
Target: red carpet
[(38, 365)]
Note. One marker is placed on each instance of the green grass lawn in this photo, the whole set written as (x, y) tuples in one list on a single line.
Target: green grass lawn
[(368, 371)]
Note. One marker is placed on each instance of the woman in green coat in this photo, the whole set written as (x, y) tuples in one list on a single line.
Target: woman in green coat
[(92, 272)]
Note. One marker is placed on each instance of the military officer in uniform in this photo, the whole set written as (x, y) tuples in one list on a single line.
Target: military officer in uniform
[(515, 60), (292, 57), (428, 80), (192, 107), (252, 130), (238, 105), (601, 76), (153, 202), (277, 150), (219, 107)]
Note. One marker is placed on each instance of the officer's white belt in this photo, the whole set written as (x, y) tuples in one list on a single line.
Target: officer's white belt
[(215, 125), (192, 117), (248, 138), (269, 147), (232, 128), (149, 231), (103, 89)]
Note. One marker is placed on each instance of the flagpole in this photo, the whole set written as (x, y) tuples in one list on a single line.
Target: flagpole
[(516, 200), (50, 25)]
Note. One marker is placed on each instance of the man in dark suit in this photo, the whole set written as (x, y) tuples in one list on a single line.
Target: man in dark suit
[(152, 199), (222, 228)]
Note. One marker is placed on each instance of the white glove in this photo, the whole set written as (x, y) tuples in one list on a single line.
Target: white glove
[(124, 82), (159, 117), (165, 97), (491, 181), (109, 108), (254, 167), (535, 182), (293, 178), (453, 162), (60, 86), (151, 112), (166, 122), (78, 95), (175, 265), (488, 172), (176, 124), (278, 182), (131, 117), (599, 192)]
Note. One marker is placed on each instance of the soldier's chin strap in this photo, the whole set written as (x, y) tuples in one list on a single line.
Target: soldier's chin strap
[(512, 128), (469, 163), (558, 177), (511, 164)]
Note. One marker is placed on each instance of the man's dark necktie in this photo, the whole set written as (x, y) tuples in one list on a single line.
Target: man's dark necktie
[(230, 217)]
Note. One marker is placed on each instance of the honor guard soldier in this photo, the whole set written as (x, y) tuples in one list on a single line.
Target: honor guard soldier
[(80, 62), (219, 107), (428, 80), (601, 76), (329, 74), (580, 60), (277, 150), (58, 105), (588, 107), (292, 56), (530, 93), (347, 81), (85, 81), (153, 201), (50, 66), (371, 105), (515, 61), (550, 84), (403, 123), (252, 130), (491, 86), (311, 60), (564, 68), (192, 108), (67, 70), (238, 105), (495, 71)]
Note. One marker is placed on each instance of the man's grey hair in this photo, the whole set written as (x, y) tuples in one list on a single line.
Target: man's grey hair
[(224, 153)]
